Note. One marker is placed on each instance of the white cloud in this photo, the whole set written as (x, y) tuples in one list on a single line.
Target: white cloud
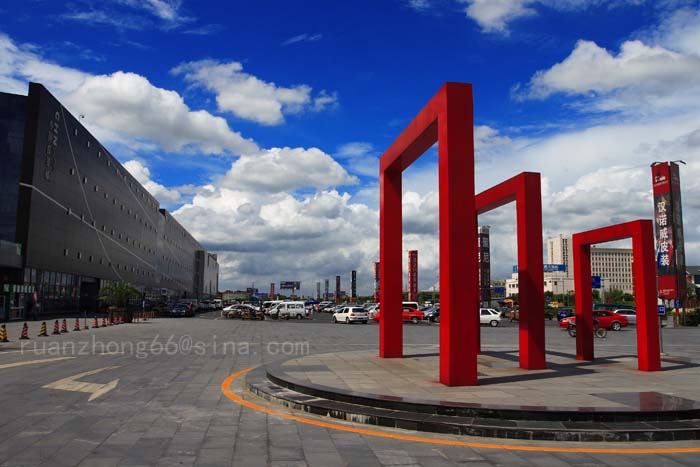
[(128, 104), (638, 75), (138, 14), (142, 174), (249, 97), (286, 169), (122, 107), (494, 15), (306, 37), (360, 158)]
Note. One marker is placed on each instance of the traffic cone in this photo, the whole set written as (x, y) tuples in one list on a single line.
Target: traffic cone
[(64, 326), (104, 322), (55, 328), (77, 325), (25, 332), (43, 332), (95, 324), (3, 334)]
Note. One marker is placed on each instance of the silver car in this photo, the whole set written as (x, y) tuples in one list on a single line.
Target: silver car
[(630, 314)]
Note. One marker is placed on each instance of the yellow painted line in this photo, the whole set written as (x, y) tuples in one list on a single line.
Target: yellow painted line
[(226, 389), (34, 362)]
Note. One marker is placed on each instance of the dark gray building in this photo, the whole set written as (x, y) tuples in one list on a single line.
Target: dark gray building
[(72, 218)]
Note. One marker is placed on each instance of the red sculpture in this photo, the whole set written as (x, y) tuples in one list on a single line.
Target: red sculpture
[(644, 276), (447, 119), (524, 189)]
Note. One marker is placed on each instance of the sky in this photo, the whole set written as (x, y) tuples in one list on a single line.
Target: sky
[(260, 124)]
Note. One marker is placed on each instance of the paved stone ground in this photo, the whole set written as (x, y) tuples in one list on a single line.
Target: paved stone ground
[(168, 407)]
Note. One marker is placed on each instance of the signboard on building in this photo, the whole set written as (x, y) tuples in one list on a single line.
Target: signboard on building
[(413, 275), (288, 285), (668, 219), (596, 282), (325, 295), (337, 289), (547, 268)]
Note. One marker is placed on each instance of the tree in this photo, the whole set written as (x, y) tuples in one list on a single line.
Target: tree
[(119, 293)]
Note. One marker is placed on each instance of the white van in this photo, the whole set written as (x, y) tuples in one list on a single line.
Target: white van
[(288, 310), (410, 305)]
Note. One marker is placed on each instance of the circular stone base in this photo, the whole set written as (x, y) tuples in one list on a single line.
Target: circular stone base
[(570, 400)]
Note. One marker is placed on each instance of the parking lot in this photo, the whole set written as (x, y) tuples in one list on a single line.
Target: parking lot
[(150, 393)]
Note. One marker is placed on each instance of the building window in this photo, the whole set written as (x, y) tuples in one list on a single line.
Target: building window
[(84, 179), (75, 132), (65, 252), (80, 255), (88, 143), (97, 188), (72, 171), (99, 154)]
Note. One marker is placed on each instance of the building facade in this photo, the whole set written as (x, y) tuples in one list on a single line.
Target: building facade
[(77, 217), (613, 265)]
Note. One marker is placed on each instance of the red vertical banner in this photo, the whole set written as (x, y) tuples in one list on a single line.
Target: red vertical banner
[(337, 289), (376, 282), (412, 275), (272, 290), (668, 219)]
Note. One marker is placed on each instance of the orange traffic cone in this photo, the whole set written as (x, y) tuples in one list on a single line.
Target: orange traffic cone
[(3, 334), (64, 326), (77, 325), (55, 328), (43, 332), (104, 322), (25, 332)]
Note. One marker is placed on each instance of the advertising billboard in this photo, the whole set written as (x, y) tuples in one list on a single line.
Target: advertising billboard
[(288, 285), (353, 286), (376, 281), (337, 289), (413, 275), (484, 253), (668, 221)]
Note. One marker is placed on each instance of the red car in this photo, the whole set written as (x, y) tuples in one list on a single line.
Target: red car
[(606, 319), (409, 314)]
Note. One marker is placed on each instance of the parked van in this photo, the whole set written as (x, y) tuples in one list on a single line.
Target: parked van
[(410, 305), (288, 310)]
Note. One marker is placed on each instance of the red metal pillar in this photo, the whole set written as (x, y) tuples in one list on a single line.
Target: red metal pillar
[(584, 298), (530, 272), (390, 290), (459, 293), (644, 275)]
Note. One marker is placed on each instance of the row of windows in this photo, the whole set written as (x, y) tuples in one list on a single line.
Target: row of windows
[(100, 260), (119, 204), (123, 177), (119, 236)]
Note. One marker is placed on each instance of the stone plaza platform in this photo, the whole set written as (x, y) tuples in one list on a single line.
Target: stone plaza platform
[(604, 400)]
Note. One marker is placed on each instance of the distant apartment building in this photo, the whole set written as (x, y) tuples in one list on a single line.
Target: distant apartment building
[(613, 265)]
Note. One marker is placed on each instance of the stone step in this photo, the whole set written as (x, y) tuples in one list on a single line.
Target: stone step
[(260, 384)]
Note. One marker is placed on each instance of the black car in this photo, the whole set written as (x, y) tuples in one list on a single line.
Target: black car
[(433, 314), (565, 313)]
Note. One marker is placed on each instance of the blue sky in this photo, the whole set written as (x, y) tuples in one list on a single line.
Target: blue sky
[(195, 96)]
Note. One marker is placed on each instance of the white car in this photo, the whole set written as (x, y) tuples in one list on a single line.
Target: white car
[(350, 314), (489, 316)]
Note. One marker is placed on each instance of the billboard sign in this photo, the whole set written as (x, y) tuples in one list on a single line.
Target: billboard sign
[(413, 275), (353, 286), (668, 220), (287, 285), (596, 282), (484, 259), (376, 281), (548, 268), (337, 289)]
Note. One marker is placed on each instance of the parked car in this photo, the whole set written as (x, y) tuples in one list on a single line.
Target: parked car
[(432, 314), (606, 319), (287, 310), (179, 310), (564, 313), (515, 315), (350, 314), (409, 314), (628, 313), (489, 316)]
